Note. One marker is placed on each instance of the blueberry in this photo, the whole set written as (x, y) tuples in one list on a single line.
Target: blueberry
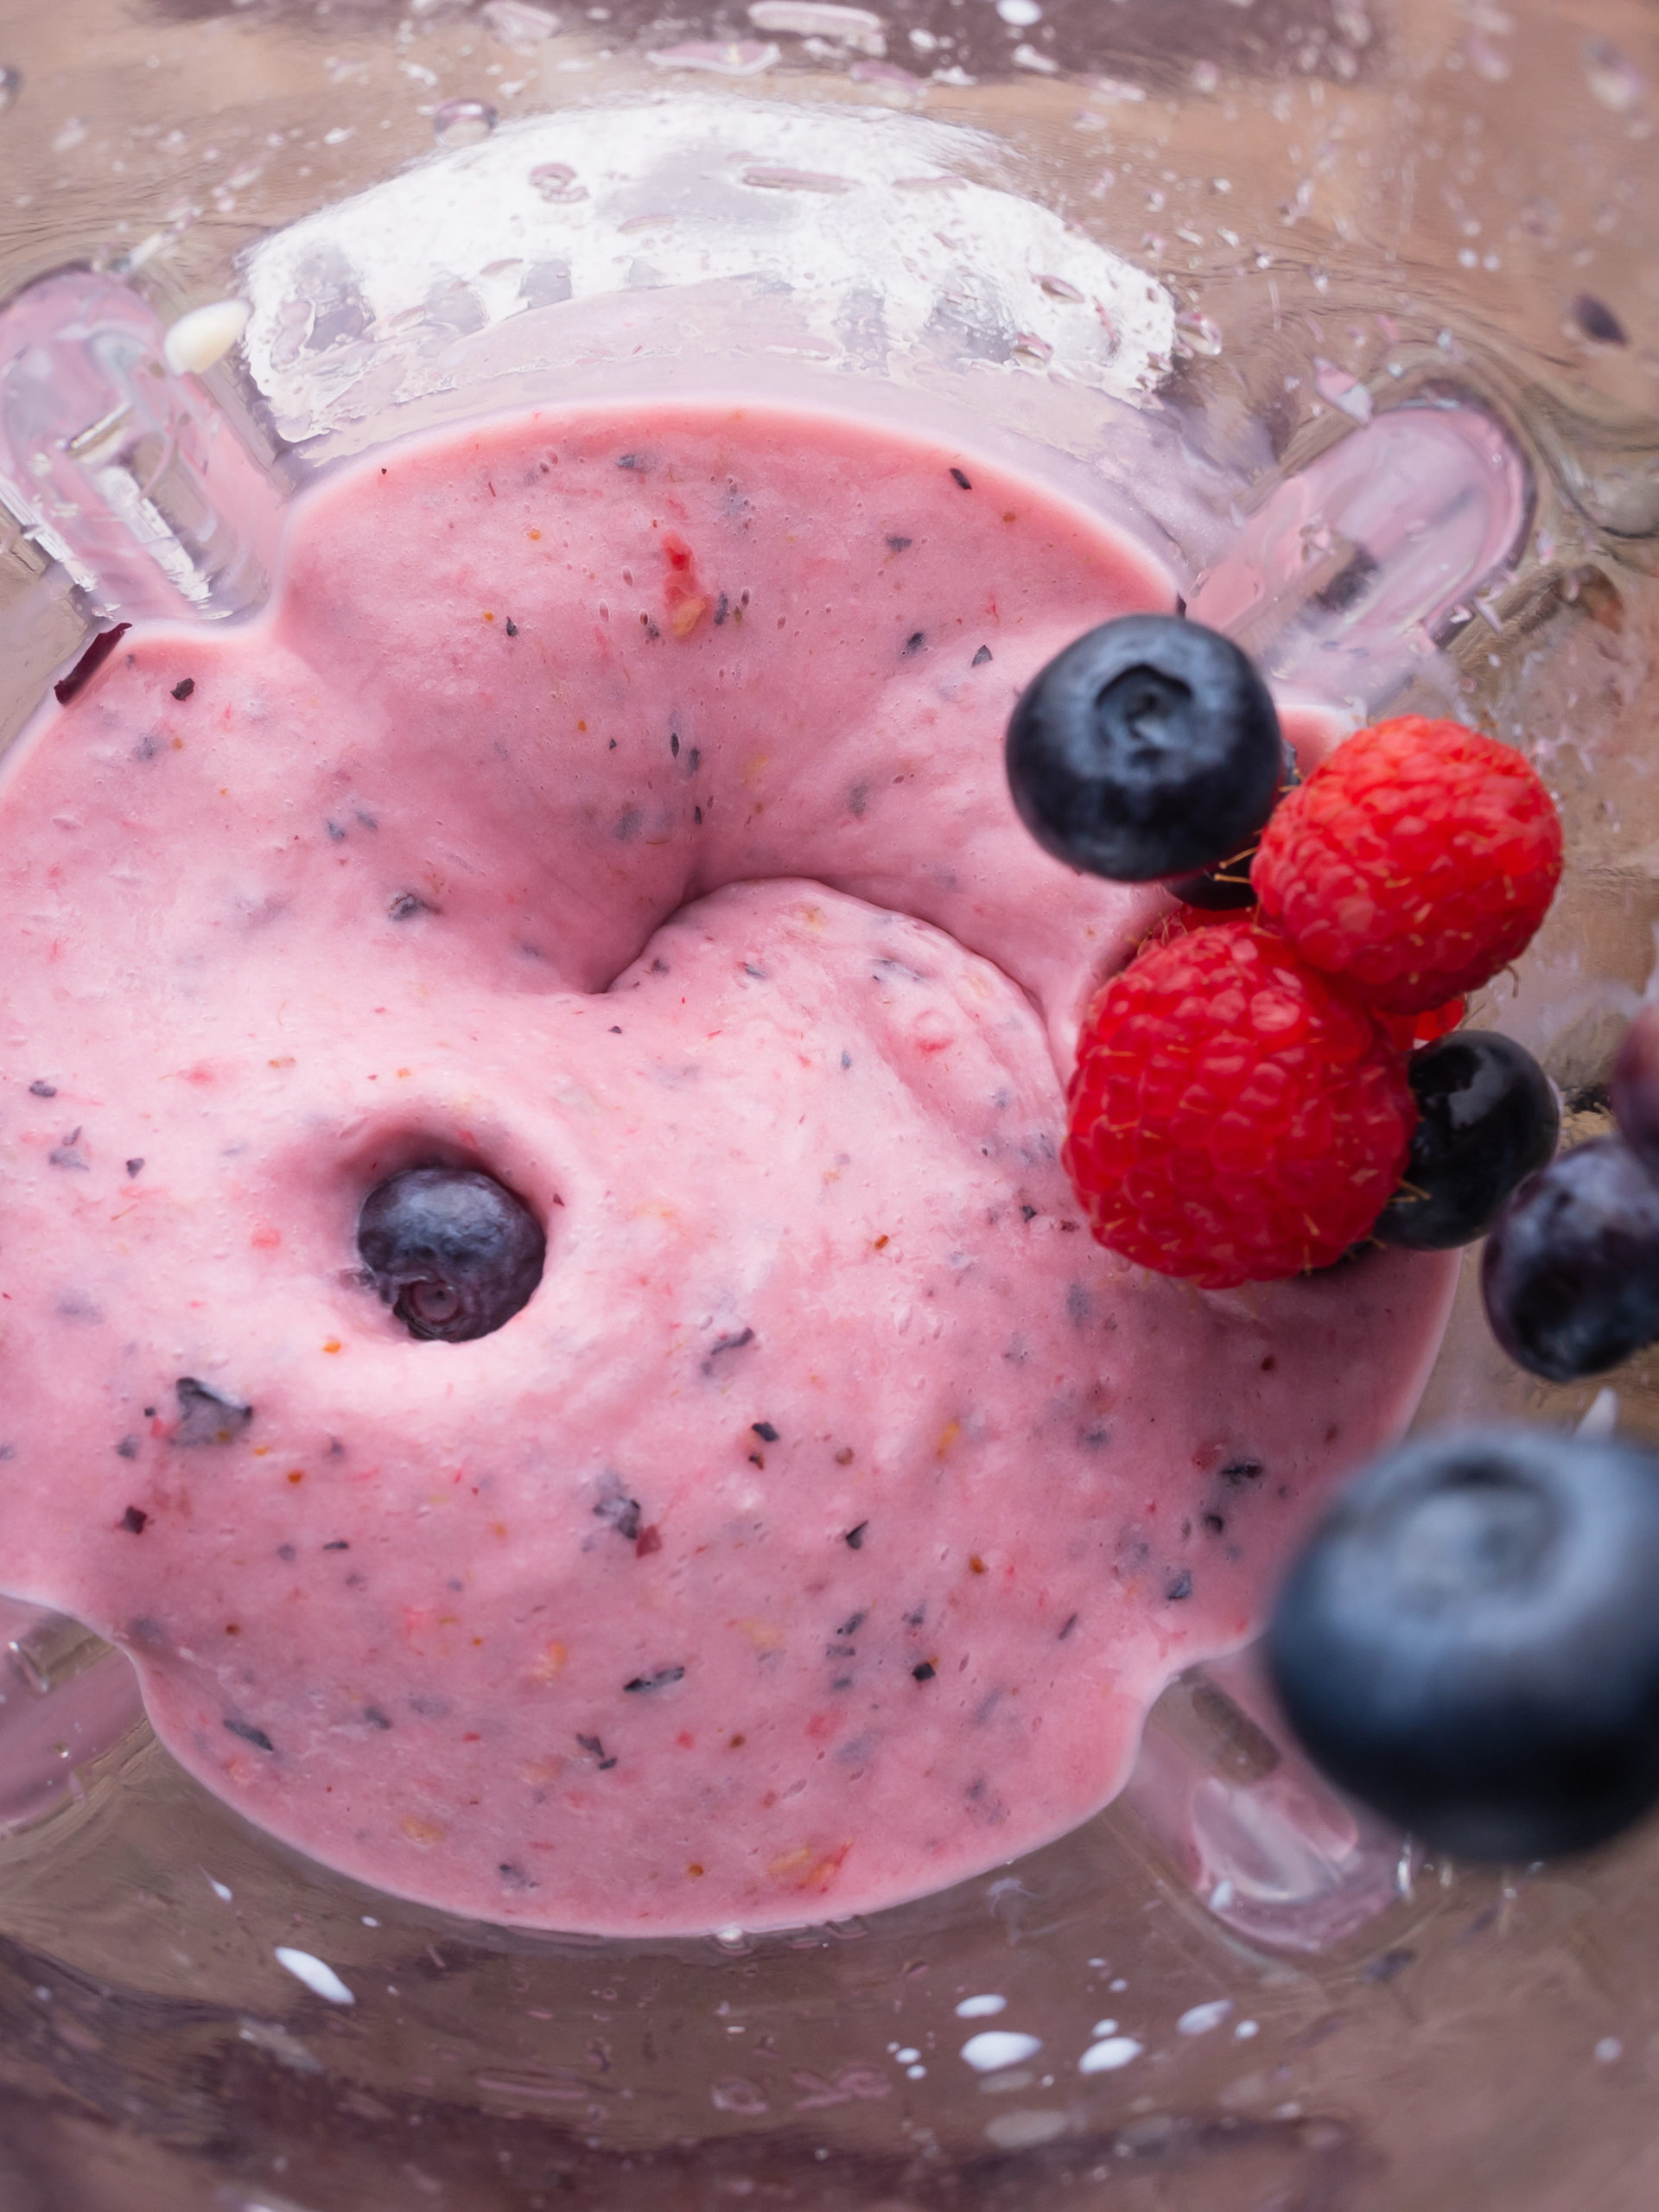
[(1635, 1088), (453, 1253), (1226, 888), (1149, 748), (1470, 1643), (1571, 1271), (1488, 1118)]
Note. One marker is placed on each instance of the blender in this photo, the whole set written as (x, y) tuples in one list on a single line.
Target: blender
[(1348, 316)]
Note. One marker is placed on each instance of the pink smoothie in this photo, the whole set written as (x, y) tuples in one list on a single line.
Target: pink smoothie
[(613, 799)]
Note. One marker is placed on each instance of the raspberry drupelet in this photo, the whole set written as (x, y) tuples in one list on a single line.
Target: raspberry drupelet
[(1416, 860), (1235, 1116)]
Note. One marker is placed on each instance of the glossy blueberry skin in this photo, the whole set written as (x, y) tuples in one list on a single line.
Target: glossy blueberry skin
[(451, 1251), (1149, 748), (1570, 1275), (1488, 1117), (1470, 1642)]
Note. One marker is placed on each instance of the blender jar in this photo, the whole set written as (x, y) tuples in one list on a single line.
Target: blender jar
[(1349, 313)]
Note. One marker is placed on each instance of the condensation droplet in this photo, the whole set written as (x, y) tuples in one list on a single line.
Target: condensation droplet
[(1022, 13), (1614, 81), (1198, 334), (11, 83), (517, 25), (206, 334), (69, 134), (556, 180), (743, 57), (783, 179), (462, 122)]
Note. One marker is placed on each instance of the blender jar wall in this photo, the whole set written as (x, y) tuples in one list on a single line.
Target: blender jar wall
[(1346, 213)]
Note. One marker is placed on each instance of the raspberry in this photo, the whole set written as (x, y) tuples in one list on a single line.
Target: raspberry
[(1234, 1116), (1416, 859)]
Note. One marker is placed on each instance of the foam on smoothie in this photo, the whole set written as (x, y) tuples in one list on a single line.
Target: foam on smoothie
[(613, 799)]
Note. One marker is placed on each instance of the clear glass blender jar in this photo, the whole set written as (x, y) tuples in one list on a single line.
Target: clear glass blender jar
[(1376, 373)]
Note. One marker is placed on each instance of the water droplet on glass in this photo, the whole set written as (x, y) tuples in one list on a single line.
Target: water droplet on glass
[(11, 83), (1020, 12), (517, 25), (69, 134), (1198, 334), (850, 27), (196, 340), (744, 57), (1206, 77), (556, 180), (462, 122), (1613, 80), (1596, 321)]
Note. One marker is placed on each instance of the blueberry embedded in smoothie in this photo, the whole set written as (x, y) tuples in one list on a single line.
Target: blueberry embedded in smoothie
[(1149, 748), (1470, 1642), (451, 1251), (1487, 1118)]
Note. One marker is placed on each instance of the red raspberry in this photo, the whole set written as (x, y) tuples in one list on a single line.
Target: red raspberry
[(1234, 1116), (1416, 859), (1410, 1032)]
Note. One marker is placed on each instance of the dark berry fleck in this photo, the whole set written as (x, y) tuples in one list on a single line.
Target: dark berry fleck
[(452, 1251), (1149, 748), (1470, 1642), (914, 642), (924, 1673), (660, 1679), (960, 478), (1487, 1119), (184, 686), (337, 1544), (1597, 321), (41, 1089), (1070, 1622), (134, 1520), (899, 545), (765, 1431), (1179, 1585), (513, 627), (407, 904), (250, 1734), (981, 657), (134, 1166), (375, 1717), (89, 664), (127, 1448), (854, 1537), (621, 1514), (1570, 1275), (208, 1416)]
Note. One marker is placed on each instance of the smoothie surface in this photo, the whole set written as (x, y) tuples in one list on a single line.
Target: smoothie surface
[(613, 799)]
